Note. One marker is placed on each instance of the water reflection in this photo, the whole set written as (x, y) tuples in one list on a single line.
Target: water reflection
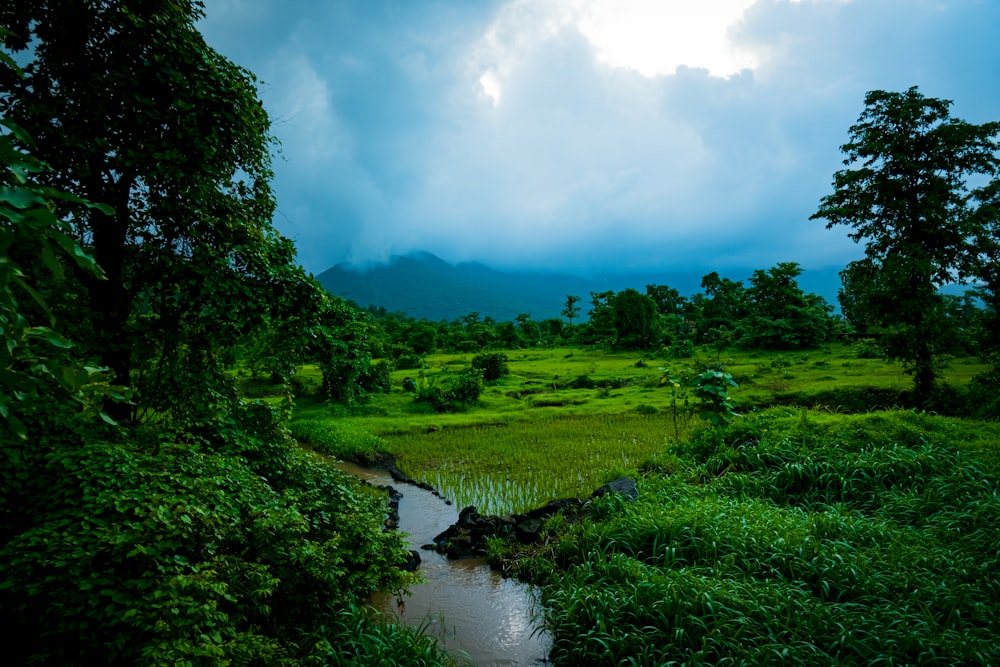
[(470, 608)]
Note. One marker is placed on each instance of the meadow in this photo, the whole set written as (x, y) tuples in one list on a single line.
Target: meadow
[(827, 524), (566, 420)]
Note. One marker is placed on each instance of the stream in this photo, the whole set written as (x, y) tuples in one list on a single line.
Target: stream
[(470, 608)]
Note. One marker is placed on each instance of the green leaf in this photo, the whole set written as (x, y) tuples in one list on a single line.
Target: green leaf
[(22, 198)]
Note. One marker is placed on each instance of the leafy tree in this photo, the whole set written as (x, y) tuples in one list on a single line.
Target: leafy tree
[(130, 107), (205, 537), (553, 330), (635, 320), (913, 193), (781, 315), (422, 337), (34, 352), (668, 300), (600, 325), (570, 309), (724, 302), (527, 329)]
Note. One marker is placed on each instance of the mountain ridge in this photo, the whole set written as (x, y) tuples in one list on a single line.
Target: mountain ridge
[(424, 286)]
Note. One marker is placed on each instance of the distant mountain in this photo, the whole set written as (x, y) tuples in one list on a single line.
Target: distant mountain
[(425, 286)]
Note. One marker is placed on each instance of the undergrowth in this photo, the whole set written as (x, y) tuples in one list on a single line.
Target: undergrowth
[(789, 538)]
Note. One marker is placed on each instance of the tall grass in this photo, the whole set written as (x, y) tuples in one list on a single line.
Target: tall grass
[(860, 540)]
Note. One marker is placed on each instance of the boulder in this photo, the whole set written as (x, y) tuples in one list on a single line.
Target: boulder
[(623, 486), (412, 561)]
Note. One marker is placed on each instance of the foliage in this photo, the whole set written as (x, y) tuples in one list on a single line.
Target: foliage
[(668, 300), (131, 108), (492, 364), (456, 394), (792, 538), (634, 320), (154, 549), (343, 346), (913, 192), (983, 398), (681, 349), (711, 388), (34, 352), (570, 310), (780, 315), (868, 348), (195, 532)]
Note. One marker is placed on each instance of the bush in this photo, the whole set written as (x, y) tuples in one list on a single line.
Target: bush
[(982, 397), (492, 364), (409, 362), (868, 348), (681, 349), (457, 394), (582, 382), (152, 550), (377, 378)]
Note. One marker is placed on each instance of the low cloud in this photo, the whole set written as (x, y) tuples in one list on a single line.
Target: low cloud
[(505, 133)]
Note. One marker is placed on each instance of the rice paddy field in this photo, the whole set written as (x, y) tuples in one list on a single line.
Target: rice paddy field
[(826, 525), (566, 420)]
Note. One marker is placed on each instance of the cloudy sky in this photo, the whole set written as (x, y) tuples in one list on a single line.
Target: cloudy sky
[(586, 135)]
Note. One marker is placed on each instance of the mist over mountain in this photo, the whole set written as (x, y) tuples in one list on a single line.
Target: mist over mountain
[(425, 286)]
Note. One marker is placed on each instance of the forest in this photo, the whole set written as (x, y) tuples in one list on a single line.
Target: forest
[(813, 487)]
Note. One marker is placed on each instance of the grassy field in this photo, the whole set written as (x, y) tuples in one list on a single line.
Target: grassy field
[(793, 539), (827, 525), (566, 420)]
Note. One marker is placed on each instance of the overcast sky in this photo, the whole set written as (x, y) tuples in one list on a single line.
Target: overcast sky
[(586, 135)]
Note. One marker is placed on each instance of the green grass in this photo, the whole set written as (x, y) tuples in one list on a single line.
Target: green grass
[(796, 534), (524, 464), (793, 539), (566, 420)]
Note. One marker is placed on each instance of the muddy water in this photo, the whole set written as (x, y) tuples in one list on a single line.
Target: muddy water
[(470, 608)]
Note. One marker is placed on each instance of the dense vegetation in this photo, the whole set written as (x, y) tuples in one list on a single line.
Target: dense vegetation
[(788, 538), (148, 514), (163, 353)]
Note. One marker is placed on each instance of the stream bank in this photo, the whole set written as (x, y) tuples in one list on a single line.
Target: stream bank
[(472, 609)]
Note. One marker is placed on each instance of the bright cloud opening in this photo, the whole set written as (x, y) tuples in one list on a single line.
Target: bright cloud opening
[(652, 37), (655, 37)]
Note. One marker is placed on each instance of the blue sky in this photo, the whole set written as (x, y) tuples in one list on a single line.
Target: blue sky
[(586, 136)]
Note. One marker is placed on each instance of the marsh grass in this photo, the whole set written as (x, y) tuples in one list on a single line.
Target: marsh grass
[(793, 539), (525, 464), (565, 419), (788, 536)]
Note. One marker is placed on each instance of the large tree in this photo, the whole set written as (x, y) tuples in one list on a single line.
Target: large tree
[(919, 189), (781, 315), (635, 320), (131, 108)]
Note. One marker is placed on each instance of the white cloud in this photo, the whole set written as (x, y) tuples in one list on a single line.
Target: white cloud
[(569, 133)]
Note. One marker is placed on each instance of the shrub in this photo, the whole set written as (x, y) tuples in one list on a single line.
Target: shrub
[(868, 348), (712, 389), (377, 378), (492, 364), (149, 549), (456, 394), (409, 362), (582, 382), (681, 349)]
